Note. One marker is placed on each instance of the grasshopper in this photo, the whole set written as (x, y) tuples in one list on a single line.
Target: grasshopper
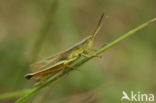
[(46, 68)]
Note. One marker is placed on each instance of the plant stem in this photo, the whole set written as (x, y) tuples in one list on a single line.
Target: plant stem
[(125, 36), (115, 42)]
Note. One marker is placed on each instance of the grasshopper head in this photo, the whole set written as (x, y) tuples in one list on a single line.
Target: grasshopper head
[(90, 38), (88, 44)]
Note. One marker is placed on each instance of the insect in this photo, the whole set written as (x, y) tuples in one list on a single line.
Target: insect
[(46, 68)]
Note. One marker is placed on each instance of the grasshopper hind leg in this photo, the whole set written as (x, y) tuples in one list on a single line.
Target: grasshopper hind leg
[(41, 80)]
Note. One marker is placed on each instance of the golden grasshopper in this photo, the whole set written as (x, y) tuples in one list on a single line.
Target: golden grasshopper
[(46, 68)]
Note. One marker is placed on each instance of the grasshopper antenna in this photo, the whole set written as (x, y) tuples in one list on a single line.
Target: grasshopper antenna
[(98, 27)]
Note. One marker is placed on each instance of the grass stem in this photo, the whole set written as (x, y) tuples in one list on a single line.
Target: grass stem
[(79, 63)]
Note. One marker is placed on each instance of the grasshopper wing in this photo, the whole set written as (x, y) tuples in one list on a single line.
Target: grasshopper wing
[(44, 75), (39, 74), (42, 64), (37, 66), (46, 68)]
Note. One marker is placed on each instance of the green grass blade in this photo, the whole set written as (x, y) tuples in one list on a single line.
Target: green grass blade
[(113, 43)]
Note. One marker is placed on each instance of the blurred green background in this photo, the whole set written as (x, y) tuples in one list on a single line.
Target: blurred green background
[(33, 29)]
